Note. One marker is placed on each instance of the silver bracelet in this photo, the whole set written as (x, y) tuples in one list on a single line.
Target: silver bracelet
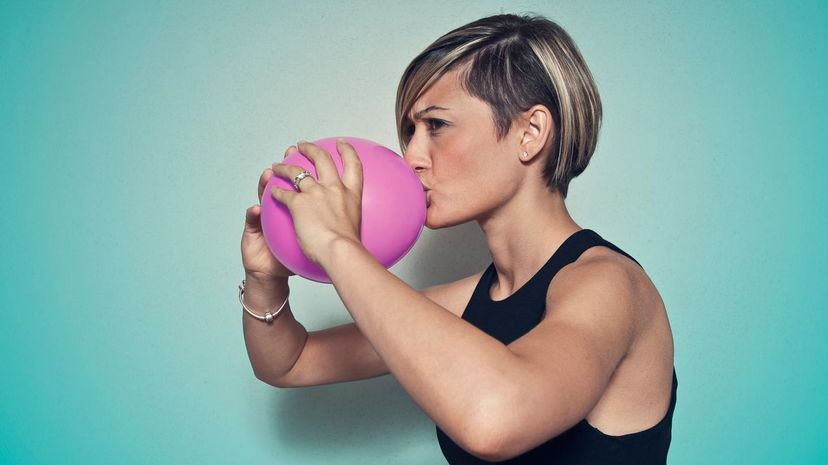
[(268, 317)]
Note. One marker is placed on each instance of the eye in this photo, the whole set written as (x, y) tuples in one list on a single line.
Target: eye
[(434, 124)]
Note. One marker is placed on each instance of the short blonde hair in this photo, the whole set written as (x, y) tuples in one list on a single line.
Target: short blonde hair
[(515, 62)]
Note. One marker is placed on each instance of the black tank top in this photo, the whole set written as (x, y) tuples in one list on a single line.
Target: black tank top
[(513, 317)]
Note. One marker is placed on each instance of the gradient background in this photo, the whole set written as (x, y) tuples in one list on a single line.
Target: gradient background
[(133, 135)]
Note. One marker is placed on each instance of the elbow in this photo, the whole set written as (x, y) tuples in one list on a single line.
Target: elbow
[(498, 434), (496, 445), (263, 377), (488, 443), (270, 379), (485, 435), (504, 440)]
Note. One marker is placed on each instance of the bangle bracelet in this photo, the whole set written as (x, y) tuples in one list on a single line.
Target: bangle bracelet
[(268, 317)]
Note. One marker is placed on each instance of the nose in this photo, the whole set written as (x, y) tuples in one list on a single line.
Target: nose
[(417, 157)]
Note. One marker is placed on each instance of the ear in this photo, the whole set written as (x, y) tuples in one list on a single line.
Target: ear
[(537, 126)]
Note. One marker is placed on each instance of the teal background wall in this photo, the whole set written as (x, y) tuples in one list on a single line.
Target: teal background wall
[(133, 134)]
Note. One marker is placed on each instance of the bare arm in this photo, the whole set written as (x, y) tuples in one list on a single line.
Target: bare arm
[(338, 354), (274, 348), (333, 355), (480, 392), (284, 354)]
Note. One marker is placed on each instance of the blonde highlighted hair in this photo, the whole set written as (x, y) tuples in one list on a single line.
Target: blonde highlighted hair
[(513, 62)]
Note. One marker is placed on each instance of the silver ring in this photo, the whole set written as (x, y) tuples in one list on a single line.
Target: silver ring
[(298, 178)]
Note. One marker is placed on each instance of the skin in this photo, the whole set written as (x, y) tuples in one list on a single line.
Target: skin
[(603, 350)]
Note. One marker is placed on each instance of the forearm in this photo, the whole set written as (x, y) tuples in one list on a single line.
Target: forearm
[(272, 348), (456, 373)]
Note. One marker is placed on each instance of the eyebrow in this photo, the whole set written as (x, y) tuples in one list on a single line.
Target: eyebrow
[(420, 113)]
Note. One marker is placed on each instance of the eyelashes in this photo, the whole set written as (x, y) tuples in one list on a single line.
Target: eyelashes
[(432, 124)]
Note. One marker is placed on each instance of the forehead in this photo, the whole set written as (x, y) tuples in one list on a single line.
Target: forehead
[(444, 92)]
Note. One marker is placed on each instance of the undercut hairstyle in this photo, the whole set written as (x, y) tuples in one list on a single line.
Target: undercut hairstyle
[(513, 62)]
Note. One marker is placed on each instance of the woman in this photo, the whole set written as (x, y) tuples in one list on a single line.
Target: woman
[(496, 117)]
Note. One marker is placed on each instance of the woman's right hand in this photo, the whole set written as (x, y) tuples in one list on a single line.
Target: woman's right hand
[(256, 255)]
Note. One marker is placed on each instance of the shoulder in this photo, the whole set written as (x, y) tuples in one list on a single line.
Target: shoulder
[(601, 285), (566, 362), (598, 269)]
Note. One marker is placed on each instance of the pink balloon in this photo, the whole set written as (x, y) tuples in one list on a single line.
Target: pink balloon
[(393, 208)]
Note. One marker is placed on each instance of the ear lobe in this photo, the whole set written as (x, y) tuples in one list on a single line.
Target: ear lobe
[(537, 131)]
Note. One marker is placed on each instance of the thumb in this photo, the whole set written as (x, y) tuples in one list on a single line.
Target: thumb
[(253, 220)]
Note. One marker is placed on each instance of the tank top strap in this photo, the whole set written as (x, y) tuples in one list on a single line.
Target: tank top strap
[(591, 238), (566, 253), (535, 289), (569, 251)]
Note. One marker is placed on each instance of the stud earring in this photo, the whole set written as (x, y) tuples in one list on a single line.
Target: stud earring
[(525, 154)]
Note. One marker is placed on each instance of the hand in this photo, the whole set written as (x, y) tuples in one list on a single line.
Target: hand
[(328, 208), (257, 258)]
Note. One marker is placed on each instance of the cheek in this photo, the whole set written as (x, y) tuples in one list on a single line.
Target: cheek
[(479, 170), (462, 156), (469, 169)]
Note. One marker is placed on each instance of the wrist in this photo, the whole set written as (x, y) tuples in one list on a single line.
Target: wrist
[(262, 296), (265, 281), (334, 251)]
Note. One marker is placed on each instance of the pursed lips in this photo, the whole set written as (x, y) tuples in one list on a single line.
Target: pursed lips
[(428, 196)]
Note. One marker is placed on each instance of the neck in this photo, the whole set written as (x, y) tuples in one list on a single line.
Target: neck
[(523, 233)]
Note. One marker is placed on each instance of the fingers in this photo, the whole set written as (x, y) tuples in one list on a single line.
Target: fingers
[(268, 173), (352, 174), (288, 150), (351, 166), (283, 195), (289, 172), (325, 168), (252, 223), (263, 180)]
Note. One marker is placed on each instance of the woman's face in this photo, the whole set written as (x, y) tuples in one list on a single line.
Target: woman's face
[(455, 151)]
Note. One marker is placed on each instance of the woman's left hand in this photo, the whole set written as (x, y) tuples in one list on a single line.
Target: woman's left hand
[(328, 208)]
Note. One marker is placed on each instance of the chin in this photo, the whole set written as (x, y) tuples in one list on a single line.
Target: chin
[(430, 222), (434, 221)]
